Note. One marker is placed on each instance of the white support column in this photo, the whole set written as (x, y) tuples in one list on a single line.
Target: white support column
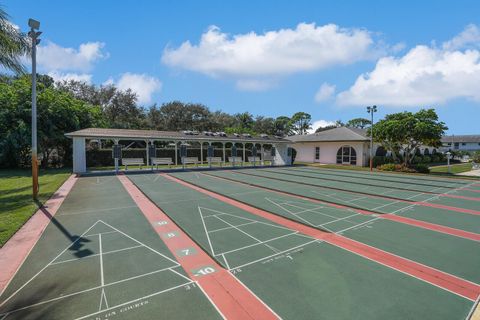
[(115, 141), (262, 155), (176, 153), (147, 144), (79, 158), (201, 153), (243, 160), (224, 154)]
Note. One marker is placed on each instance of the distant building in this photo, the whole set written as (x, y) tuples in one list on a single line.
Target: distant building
[(469, 142), (342, 145)]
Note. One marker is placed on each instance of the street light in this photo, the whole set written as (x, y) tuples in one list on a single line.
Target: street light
[(449, 155), (34, 25), (371, 110)]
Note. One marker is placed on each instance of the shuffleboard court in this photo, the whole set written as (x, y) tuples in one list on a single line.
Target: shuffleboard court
[(453, 192), (425, 246), (86, 265), (412, 181), (393, 175), (457, 220), (299, 277), (377, 191)]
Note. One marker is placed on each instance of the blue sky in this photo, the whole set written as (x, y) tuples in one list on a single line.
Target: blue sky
[(272, 58)]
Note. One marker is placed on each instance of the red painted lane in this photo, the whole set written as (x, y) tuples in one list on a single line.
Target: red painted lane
[(417, 223), (16, 250), (433, 276), (433, 227), (229, 295), (450, 208), (458, 197)]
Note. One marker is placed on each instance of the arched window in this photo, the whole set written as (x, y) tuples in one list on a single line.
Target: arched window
[(426, 152), (346, 155), (381, 152)]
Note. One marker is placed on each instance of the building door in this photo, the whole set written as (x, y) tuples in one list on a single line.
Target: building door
[(346, 155), (317, 154)]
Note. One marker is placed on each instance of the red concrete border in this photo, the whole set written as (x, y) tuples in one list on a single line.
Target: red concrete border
[(446, 281), (400, 219), (227, 293), (458, 197), (16, 250)]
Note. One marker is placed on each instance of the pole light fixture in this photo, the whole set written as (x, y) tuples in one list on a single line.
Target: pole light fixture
[(34, 34), (371, 110)]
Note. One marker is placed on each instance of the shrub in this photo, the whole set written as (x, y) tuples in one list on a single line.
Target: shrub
[(476, 156), (417, 159), (436, 158), (387, 167), (422, 168), (426, 159), (378, 161)]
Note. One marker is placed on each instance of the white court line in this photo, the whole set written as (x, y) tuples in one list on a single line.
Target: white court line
[(206, 231), (263, 242), (96, 234), (308, 222), (339, 219), (246, 233), (308, 210), (132, 301), (45, 267), (226, 228), (151, 249), (242, 218), (359, 225), (385, 205), (99, 287), (226, 261), (275, 254), (96, 255), (101, 259)]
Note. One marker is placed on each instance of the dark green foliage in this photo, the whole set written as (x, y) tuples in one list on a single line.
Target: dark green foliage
[(422, 168)]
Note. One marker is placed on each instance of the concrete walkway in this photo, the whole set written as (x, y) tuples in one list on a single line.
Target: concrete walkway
[(472, 173)]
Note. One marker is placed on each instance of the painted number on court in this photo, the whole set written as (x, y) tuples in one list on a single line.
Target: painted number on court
[(203, 271), (186, 252), (170, 234)]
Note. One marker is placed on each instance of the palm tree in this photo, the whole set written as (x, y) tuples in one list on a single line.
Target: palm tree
[(13, 45)]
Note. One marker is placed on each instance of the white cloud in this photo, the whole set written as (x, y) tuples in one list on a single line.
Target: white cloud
[(81, 77), (320, 124), (325, 92), (424, 76), (52, 57), (470, 37), (251, 56), (143, 85)]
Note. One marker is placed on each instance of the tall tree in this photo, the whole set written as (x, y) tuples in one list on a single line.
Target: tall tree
[(360, 123), (301, 122), (406, 131), (283, 126), (13, 45)]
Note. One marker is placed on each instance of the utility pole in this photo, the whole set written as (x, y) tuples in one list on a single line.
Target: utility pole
[(34, 25), (371, 110)]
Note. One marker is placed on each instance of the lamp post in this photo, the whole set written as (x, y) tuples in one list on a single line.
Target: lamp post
[(371, 110), (449, 154), (34, 34)]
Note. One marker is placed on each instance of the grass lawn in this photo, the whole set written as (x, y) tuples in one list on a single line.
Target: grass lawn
[(456, 168), (16, 203)]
